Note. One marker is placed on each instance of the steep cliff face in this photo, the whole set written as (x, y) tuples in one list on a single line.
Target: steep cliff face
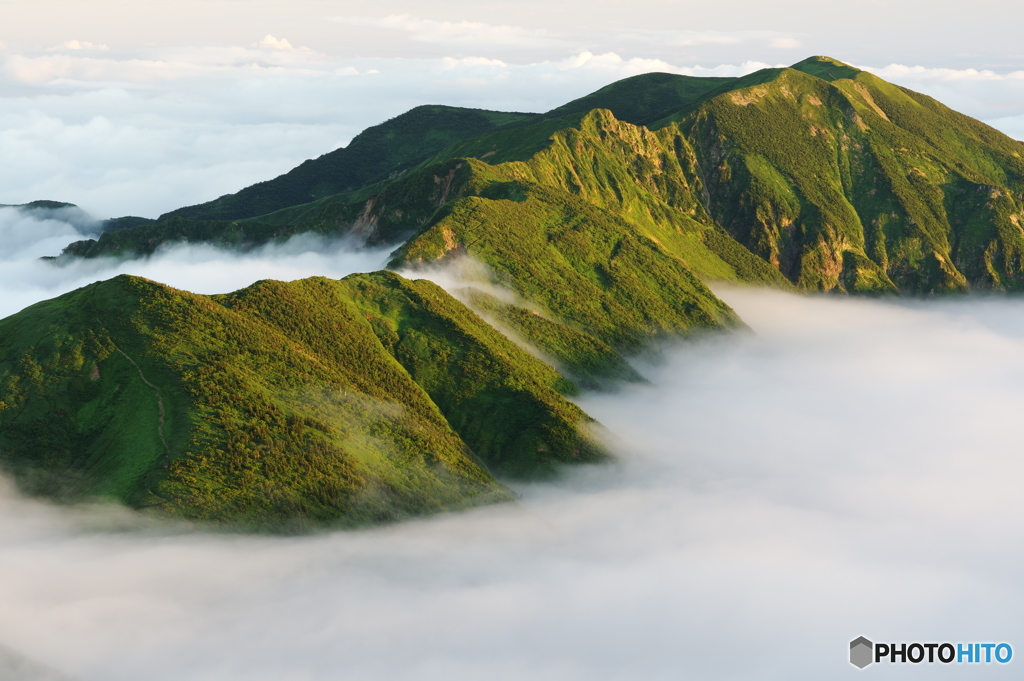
[(856, 184)]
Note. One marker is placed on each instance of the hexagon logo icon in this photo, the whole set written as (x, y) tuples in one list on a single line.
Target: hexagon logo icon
[(861, 651)]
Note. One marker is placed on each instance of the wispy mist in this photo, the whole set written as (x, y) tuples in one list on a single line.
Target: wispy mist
[(25, 279), (850, 468)]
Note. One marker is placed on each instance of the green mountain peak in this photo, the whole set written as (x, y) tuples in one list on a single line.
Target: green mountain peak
[(826, 68)]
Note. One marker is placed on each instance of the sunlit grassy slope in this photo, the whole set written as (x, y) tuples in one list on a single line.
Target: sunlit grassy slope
[(367, 399)]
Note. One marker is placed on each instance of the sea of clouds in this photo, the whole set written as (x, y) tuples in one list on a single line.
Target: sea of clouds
[(848, 467)]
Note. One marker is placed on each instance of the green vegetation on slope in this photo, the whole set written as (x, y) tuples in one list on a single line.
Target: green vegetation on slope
[(282, 405), (860, 185), (589, 362), (586, 267)]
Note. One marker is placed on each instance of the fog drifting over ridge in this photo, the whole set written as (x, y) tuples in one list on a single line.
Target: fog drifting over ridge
[(200, 268), (852, 467)]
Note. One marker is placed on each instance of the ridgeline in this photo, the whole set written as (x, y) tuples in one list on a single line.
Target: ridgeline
[(819, 176)]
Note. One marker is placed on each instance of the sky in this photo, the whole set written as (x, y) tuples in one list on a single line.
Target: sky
[(142, 107)]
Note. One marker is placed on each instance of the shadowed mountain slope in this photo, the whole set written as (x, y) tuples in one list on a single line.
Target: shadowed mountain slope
[(372, 156), (645, 99)]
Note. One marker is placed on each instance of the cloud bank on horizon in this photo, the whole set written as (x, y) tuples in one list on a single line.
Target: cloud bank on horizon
[(165, 110), (851, 469)]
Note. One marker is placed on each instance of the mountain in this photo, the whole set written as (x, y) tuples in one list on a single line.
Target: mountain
[(593, 229), (279, 406), (60, 211), (830, 176), (842, 180), (41, 205)]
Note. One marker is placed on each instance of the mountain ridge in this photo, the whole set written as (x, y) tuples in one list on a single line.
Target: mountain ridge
[(370, 157), (800, 166), (380, 396)]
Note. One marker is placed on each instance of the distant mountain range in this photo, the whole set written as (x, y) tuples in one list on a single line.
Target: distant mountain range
[(376, 397)]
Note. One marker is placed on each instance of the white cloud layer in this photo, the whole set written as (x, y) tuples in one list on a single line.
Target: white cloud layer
[(146, 130), (850, 469), (25, 279), (144, 134)]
